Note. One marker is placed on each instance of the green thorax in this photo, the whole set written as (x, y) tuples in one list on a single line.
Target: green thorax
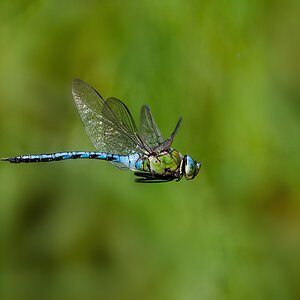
[(163, 162)]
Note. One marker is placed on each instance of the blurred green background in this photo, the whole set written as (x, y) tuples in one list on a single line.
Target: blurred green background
[(84, 229)]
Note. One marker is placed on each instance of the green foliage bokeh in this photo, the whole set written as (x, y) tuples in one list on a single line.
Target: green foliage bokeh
[(84, 229)]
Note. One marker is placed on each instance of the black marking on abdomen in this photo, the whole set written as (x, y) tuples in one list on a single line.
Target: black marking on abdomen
[(110, 157)]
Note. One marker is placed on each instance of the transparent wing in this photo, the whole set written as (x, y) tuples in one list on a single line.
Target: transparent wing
[(168, 142), (148, 128), (108, 124), (119, 165)]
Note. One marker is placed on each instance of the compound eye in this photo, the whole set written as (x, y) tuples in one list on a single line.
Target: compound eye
[(190, 168)]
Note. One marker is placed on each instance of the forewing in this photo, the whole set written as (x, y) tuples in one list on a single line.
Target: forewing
[(148, 128), (108, 124), (122, 113)]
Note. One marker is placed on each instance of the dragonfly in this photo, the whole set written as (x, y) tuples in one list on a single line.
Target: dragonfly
[(113, 132)]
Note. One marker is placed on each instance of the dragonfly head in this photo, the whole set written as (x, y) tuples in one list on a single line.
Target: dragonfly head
[(190, 168)]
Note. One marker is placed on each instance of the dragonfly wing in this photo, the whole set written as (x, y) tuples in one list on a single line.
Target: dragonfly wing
[(108, 124), (148, 128), (168, 142), (119, 165)]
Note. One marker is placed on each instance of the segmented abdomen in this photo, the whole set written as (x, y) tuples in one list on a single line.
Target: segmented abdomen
[(127, 161)]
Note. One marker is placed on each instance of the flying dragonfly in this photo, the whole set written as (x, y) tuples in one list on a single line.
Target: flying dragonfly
[(112, 130)]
